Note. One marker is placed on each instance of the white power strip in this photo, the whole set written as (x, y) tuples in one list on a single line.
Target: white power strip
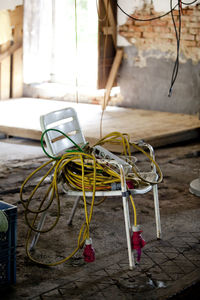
[(103, 153)]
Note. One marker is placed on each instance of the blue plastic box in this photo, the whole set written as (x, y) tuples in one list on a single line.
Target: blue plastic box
[(8, 243)]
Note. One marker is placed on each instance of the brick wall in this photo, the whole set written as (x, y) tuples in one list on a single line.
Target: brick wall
[(160, 34)]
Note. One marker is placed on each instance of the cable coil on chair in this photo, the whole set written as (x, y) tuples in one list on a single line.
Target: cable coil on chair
[(80, 170)]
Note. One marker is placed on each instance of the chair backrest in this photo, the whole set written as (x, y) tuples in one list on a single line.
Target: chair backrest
[(66, 121)]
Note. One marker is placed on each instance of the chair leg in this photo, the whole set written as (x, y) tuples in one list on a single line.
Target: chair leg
[(40, 225), (128, 234), (37, 234), (69, 222), (126, 217), (157, 211)]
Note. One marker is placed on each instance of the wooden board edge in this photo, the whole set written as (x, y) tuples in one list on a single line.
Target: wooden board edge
[(21, 132), (156, 142)]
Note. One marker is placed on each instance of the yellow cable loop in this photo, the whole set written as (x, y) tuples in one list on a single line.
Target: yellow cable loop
[(36, 212), (84, 198), (85, 233), (37, 186)]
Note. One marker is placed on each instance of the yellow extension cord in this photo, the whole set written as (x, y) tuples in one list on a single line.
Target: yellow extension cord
[(85, 176)]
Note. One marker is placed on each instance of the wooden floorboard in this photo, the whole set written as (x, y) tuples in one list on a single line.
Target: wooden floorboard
[(20, 117)]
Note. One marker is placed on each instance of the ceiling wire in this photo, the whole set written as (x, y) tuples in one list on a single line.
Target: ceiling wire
[(151, 19), (76, 49), (178, 38)]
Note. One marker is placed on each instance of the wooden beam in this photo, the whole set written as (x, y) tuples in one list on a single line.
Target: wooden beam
[(10, 51), (17, 65), (17, 74), (112, 76), (5, 74), (107, 30), (21, 132), (111, 20)]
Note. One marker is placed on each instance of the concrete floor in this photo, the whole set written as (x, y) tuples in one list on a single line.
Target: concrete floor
[(168, 266)]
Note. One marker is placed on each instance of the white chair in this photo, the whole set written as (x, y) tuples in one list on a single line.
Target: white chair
[(66, 120)]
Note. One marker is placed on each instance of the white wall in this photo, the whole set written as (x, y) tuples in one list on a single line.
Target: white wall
[(129, 6), (10, 4)]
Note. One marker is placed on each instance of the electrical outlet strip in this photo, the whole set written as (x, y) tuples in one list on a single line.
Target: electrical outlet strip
[(103, 153)]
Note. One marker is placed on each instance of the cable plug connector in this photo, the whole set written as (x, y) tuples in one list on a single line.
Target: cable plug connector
[(170, 92), (137, 241), (130, 184), (89, 253)]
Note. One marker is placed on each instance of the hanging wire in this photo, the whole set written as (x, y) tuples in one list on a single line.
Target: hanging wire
[(178, 37), (76, 44), (189, 3), (151, 19), (155, 18), (177, 33)]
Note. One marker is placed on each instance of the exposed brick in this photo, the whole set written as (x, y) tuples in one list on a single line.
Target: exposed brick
[(129, 21), (131, 34), (167, 36), (198, 37), (193, 19), (175, 12), (188, 43), (162, 29), (184, 30), (193, 30), (165, 41), (171, 24), (187, 12), (136, 28), (193, 25), (188, 37), (195, 12), (141, 28), (159, 23), (144, 41), (160, 33), (140, 23), (149, 35), (123, 28), (148, 29)]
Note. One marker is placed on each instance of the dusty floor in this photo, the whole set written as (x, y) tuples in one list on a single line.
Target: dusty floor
[(167, 266)]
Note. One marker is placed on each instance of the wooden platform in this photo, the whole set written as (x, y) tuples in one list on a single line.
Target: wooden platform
[(20, 117)]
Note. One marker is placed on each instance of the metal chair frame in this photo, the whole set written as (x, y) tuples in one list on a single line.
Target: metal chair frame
[(66, 120)]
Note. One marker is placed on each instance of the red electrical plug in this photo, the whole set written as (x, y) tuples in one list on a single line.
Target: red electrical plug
[(137, 241), (88, 253), (130, 184)]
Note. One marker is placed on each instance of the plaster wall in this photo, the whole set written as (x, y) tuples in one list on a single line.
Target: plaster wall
[(148, 87), (10, 4)]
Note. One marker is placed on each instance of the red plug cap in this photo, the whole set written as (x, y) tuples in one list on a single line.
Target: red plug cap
[(88, 253), (137, 241), (130, 184)]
